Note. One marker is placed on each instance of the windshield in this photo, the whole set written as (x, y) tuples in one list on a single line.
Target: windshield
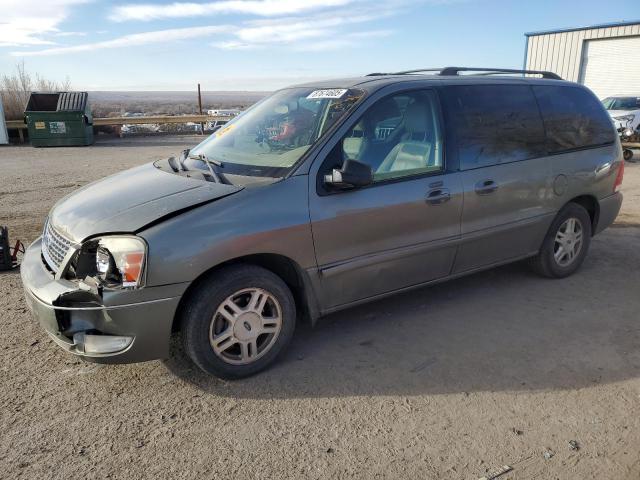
[(621, 103), (268, 139)]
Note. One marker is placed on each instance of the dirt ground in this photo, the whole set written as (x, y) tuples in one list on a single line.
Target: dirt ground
[(444, 382)]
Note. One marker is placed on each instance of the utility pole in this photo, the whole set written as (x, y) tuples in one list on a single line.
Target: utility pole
[(200, 109)]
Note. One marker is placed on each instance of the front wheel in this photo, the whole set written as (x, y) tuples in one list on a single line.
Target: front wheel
[(566, 244), (238, 321)]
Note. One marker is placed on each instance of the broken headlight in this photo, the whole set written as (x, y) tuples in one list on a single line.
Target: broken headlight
[(114, 261)]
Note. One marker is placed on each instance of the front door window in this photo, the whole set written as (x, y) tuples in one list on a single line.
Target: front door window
[(398, 136)]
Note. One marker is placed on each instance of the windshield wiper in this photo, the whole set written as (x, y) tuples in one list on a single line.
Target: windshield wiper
[(210, 162), (184, 154)]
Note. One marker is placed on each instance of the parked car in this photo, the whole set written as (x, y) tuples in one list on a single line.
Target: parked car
[(625, 112), (230, 112), (214, 125), (301, 207)]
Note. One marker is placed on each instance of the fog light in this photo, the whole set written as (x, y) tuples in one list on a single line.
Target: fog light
[(100, 343)]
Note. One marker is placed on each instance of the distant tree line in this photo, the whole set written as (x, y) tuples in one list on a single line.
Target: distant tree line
[(16, 88)]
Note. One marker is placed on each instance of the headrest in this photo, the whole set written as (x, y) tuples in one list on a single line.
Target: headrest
[(383, 110), (352, 147), (415, 118)]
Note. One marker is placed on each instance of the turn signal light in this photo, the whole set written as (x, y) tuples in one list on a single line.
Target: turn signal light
[(618, 183)]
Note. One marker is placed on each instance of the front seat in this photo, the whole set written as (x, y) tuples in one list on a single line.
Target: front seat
[(416, 145), (355, 143)]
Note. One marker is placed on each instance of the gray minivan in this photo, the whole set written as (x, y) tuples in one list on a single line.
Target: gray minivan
[(320, 197)]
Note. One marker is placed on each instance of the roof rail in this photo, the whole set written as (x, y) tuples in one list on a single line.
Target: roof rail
[(491, 71), (377, 74), (485, 71)]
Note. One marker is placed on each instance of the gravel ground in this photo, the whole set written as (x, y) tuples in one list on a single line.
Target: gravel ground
[(444, 382)]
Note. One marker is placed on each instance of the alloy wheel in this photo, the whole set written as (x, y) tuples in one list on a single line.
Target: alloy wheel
[(245, 326), (568, 242)]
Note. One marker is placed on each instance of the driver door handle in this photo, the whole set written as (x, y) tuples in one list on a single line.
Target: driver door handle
[(438, 196), (485, 187)]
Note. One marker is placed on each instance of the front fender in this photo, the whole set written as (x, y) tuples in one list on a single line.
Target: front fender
[(269, 219)]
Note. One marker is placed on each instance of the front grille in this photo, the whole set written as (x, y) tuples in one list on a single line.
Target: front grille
[(54, 247)]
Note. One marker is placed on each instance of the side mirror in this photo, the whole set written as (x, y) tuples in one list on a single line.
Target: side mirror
[(353, 174)]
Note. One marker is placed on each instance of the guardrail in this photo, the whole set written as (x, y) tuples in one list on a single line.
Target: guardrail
[(119, 121)]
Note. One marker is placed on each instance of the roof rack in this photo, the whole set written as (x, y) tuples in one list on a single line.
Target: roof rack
[(485, 71), (491, 71)]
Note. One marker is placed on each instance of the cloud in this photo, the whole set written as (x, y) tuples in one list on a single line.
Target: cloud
[(301, 40), (70, 34), (315, 32), (349, 40), (133, 40), (264, 8), (234, 45), (325, 30), (288, 34), (27, 22)]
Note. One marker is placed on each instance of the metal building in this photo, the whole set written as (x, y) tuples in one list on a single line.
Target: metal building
[(602, 57)]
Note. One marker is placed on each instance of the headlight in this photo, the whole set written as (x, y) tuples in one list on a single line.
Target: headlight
[(115, 261), (625, 118), (120, 260)]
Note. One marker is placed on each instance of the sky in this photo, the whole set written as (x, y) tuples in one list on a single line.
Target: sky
[(268, 44)]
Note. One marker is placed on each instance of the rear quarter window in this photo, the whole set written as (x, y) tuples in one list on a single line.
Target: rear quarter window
[(573, 118), (493, 124)]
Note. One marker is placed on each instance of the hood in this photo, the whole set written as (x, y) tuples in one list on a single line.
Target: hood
[(619, 113), (130, 200)]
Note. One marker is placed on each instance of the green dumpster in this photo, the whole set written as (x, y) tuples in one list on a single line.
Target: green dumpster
[(59, 119)]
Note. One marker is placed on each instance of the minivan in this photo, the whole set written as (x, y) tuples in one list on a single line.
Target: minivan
[(320, 197)]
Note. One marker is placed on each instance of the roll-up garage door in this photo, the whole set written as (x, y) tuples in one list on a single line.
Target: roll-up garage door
[(610, 66)]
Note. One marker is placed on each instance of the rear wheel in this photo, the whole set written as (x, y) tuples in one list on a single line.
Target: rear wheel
[(566, 244), (627, 154), (238, 321)]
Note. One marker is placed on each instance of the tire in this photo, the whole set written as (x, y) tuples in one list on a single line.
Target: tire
[(547, 263), (220, 312), (627, 154)]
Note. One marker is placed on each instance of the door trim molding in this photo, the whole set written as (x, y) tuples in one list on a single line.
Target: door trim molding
[(342, 266), (424, 284)]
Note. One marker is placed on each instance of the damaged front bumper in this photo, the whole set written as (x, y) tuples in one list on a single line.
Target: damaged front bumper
[(123, 326), (629, 137)]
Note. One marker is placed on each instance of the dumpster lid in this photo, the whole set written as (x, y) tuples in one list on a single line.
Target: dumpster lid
[(57, 102), (72, 101)]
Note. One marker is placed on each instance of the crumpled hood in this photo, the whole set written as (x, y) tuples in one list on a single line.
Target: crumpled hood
[(620, 124), (620, 113), (129, 200)]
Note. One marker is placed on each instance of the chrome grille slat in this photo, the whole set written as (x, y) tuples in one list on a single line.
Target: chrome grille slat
[(54, 247)]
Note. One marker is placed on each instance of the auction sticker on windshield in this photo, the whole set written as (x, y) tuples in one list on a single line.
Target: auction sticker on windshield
[(328, 93)]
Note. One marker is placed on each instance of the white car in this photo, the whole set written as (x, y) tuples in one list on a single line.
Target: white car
[(233, 112), (625, 111)]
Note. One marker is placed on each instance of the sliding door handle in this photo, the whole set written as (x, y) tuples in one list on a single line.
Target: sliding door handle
[(485, 187)]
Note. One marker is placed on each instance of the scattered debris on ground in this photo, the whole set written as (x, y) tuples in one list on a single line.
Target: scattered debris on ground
[(496, 473)]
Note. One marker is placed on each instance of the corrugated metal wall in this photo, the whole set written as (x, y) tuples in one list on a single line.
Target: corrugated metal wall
[(561, 52)]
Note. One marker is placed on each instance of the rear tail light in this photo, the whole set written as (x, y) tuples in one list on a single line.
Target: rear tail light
[(618, 183)]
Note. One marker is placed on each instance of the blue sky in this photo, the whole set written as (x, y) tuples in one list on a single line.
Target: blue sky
[(267, 44)]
